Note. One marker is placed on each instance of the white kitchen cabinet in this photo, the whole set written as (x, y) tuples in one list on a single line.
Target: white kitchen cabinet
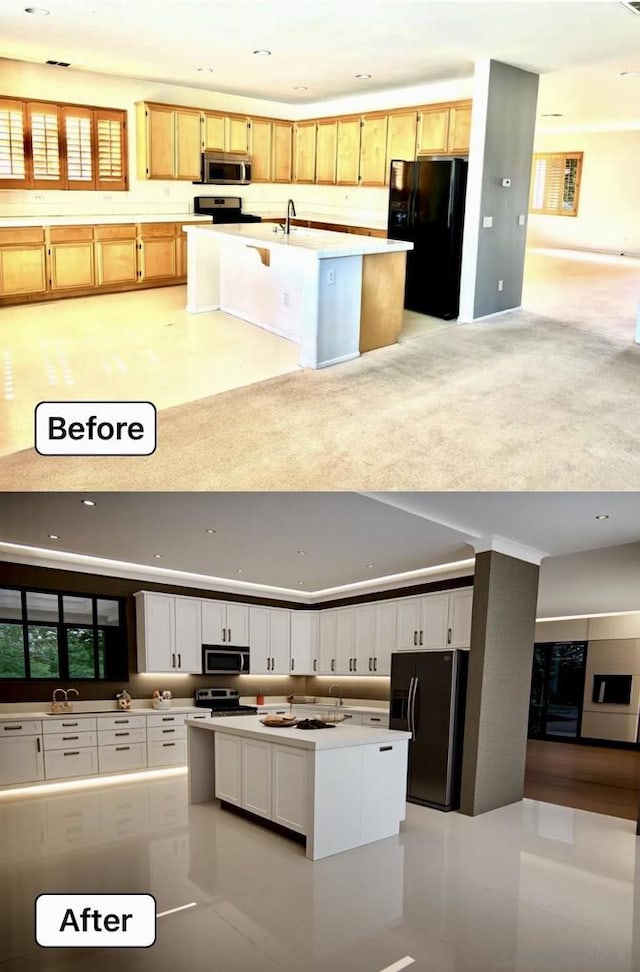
[(327, 650), (70, 739), (384, 769), (256, 777), (385, 636), (290, 788), (269, 638), (459, 628), (434, 621), (169, 633), (225, 623), (305, 630), (346, 662), (228, 768), (122, 758), (21, 758), (166, 752), (375, 721), (365, 638), (77, 761)]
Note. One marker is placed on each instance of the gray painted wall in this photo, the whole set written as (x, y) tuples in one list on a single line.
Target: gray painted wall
[(510, 124), (499, 683), (593, 582)]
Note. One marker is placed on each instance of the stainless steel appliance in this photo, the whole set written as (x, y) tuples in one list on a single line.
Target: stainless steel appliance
[(428, 691), (223, 209), (224, 169), (224, 660), (426, 207), (222, 702)]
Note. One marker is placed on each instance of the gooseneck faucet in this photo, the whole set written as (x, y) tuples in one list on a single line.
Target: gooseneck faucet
[(291, 211), (339, 700)]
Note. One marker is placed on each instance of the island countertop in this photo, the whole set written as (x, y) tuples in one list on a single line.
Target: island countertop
[(337, 737), (321, 244)]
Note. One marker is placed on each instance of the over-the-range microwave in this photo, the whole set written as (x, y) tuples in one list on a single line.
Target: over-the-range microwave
[(224, 660), (224, 169)]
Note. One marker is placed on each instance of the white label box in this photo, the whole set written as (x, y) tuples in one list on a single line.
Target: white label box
[(95, 428), (95, 920)]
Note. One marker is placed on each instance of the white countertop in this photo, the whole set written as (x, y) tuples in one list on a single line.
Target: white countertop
[(338, 737), (44, 714), (90, 219), (366, 222), (320, 244)]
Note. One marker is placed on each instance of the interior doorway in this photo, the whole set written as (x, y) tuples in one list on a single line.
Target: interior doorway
[(557, 690)]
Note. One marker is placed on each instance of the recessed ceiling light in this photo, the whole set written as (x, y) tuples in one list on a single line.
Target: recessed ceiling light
[(54, 536), (301, 552), (158, 556), (261, 52), (629, 74), (208, 70), (552, 114), (370, 565), (88, 502), (209, 530), (239, 570), (300, 87), (602, 516), (300, 583), (362, 77), (37, 11)]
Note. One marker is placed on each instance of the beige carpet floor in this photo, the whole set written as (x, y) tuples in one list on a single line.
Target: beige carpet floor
[(524, 401)]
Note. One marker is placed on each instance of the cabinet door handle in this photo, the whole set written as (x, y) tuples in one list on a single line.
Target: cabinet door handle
[(355, 664), (70, 738), (168, 744), (173, 659), (333, 664), (168, 718), (120, 749), (224, 634), (448, 636), (371, 664), (13, 728), (119, 722), (229, 633), (375, 719), (168, 730), (179, 660), (69, 725), (315, 664), (38, 743), (375, 664), (421, 635), (122, 734), (351, 664), (76, 753), (386, 749), (292, 664), (415, 637)]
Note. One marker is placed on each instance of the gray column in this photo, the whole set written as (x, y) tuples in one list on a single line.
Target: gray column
[(502, 634), (502, 129)]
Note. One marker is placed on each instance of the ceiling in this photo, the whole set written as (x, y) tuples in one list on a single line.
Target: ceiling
[(319, 46), (261, 534)]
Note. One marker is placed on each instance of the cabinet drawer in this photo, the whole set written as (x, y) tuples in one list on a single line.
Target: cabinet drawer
[(120, 232), (68, 722), (72, 739), (166, 733), (29, 234), (150, 231), (121, 737), (381, 720), (70, 762), (128, 756), (121, 721), (70, 234), (167, 752), (177, 719), (27, 728)]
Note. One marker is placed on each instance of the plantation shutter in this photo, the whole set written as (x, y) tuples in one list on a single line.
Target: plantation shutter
[(78, 125), (110, 149), (46, 171), (555, 183), (13, 174)]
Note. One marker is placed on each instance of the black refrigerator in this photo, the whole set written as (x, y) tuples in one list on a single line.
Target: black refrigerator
[(426, 207), (428, 690)]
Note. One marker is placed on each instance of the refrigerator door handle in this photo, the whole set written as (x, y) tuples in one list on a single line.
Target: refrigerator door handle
[(452, 194), (413, 684)]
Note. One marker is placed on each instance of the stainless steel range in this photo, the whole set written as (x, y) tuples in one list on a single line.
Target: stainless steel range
[(222, 702)]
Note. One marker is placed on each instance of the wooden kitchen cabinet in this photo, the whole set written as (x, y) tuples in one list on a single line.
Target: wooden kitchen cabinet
[(237, 135), (116, 255), (373, 150), (213, 132), (459, 130), (225, 133), (326, 149), (282, 156), (348, 151), (433, 131), (157, 251), (188, 164), (71, 257), (168, 142), (401, 138), (23, 268), (261, 150), (304, 152)]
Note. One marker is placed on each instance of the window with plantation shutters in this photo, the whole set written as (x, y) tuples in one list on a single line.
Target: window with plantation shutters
[(13, 172), (555, 183), (45, 145)]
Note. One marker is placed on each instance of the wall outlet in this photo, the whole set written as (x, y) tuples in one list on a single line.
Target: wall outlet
[(106, 195), (167, 191), (285, 300), (522, 219), (38, 196), (500, 284), (487, 222), (331, 277)]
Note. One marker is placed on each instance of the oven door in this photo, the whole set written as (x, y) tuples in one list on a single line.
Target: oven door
[(218, 660)]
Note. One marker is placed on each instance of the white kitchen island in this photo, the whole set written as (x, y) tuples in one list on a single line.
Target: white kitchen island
[(339, 788), (334, 294)]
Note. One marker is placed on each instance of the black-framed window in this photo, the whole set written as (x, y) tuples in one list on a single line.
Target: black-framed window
[(53, 635)]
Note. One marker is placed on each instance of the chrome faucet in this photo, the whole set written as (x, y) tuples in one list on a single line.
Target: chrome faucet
[(339, 700), (291, 211)]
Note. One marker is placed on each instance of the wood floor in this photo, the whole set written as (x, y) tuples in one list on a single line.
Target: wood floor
[(587, 777)]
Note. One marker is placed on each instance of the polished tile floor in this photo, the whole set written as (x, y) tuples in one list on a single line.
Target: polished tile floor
[(130, 346), (528, 888)]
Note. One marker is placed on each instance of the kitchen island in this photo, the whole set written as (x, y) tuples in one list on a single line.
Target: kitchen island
[(334, 294), (339, 788)]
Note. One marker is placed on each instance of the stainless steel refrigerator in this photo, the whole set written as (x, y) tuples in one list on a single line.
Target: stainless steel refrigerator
[(428, 690), (426, 207)]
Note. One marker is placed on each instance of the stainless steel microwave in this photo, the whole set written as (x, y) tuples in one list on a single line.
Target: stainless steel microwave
[(224, 169), (224, 660)]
